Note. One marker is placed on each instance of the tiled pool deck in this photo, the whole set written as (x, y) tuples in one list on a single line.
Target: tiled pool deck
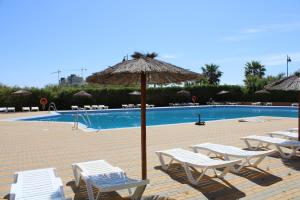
[(32, 145)]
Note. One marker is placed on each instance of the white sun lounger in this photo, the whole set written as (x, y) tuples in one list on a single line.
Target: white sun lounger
[(106, 178), (285, 134), (226, 152), (293, 130), (40, 184), (94, 107), (3, 109), (87, 107), (74, 107), (102, 107), (265, 142), (11, 109), (35, 108), (190, 159), (124, 105), (25, 109)]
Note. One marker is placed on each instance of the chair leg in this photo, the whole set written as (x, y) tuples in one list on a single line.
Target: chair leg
[(189, 175), (138, 193), (286, 155), (162, 162)]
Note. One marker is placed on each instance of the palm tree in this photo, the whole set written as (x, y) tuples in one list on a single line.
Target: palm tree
[(254, 68), (212, 73)]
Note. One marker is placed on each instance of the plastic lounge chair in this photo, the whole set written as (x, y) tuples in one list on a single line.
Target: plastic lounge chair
[(295, 104), (40, 184), (3, 109), (190, 159), (269, 104), (293, 130), (25, 109), (124, 105), (102, 107), (285, 134), (11, 109), (87, 107), (226, 152), (94, 107), (106, 178), (74, 107), (35, 109), (265, 142)]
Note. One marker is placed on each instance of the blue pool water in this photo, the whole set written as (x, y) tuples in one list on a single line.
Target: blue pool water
[(108, 119)]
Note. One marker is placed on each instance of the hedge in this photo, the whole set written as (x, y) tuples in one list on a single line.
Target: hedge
[(115, 96)]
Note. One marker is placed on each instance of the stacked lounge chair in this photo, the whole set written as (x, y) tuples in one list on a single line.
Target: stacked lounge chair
[(87, 107)]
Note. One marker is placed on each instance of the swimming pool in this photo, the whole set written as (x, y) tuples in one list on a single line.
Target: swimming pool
[(123, 118)]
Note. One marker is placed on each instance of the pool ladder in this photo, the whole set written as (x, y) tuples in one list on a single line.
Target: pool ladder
[(52, 105), (83, 116)]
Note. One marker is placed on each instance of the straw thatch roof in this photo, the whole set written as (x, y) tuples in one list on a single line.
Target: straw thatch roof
[(135, 93), (21, 93), (262, 92), (291, 83), (184, 93), (157, 71), (223, 92), (82, 94)]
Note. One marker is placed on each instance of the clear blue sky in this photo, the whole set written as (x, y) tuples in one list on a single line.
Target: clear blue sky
[(38, 37)]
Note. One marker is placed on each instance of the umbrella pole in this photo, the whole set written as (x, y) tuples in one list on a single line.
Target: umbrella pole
[(299, 117), (143, 126)]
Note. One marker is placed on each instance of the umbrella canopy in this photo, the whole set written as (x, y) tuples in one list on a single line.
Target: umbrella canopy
[(290, 83), (184, 93), (143, 69), (262, 92), (21, 93), (223, 92), (82, 94), (135, 93)]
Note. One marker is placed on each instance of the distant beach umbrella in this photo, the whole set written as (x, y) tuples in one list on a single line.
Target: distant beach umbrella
[(21, 93), (184, 93), (135, 93), (290, 83), (143, 69), (262, 92), (223, 92), (82, 94)]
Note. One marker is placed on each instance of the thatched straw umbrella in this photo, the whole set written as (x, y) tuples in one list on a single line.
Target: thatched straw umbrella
[(135, 93), (223, 92), (184, 93), (263, 91), (82, 94), (142, 69), (21, 93), (290, 83)]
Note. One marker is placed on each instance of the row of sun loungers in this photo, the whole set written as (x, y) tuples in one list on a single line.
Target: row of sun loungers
[(43, 184), (137, 105), (24, 109), (28, 109), (230, 158), (184, 104), (88, 107), (7, 109)]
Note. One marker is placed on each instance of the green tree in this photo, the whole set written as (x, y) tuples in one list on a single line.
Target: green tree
[(212, 73), (255, 68)]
